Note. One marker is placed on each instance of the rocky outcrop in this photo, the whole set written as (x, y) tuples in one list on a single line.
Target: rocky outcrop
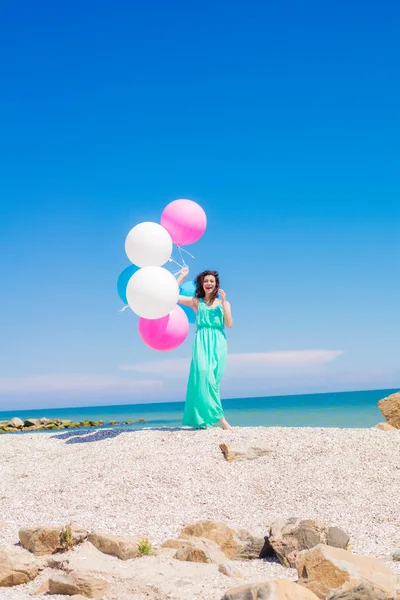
[(123, 547), (288, 537), (48, 540), (243, 452), (17, 566), (324, 569), (16, 424), (273, 590), (79, 583), (390, 408)]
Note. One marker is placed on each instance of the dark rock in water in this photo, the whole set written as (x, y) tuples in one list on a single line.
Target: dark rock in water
[(32, 423), (128, 422)]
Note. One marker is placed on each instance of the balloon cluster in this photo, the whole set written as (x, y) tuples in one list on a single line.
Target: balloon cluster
[(149, 289)]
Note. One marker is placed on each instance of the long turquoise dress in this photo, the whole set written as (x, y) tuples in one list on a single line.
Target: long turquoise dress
[(203, 404)]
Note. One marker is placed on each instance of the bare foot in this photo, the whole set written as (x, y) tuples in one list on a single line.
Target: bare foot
[(224, 424)]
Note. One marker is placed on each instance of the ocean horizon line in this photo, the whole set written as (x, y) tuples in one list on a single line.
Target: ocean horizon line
[(180, 403)]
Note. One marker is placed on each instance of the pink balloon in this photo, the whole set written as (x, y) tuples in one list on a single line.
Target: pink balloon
[(185, 221), (166, 333)]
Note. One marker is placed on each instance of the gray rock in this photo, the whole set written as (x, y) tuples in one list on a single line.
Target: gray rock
[(356, 591), (288, 537), (396, 555)]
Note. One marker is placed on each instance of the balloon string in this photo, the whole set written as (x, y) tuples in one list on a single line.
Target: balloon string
[(180, 254), (174, 261), (123, 309), (183, 250)]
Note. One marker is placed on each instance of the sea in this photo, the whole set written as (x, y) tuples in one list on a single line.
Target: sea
[(339, 409)]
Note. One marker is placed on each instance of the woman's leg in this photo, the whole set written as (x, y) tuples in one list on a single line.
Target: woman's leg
[(224, 424)]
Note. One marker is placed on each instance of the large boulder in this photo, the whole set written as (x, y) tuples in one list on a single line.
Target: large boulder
[(272, 590), (48, 540), (123, 547), (288, 537), (324, 568), (200, 550), (390, 408), (17, 566), (243, 452), (236, 545), (79, 583)]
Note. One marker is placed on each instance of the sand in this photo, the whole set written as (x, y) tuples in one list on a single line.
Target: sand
[(152, 483)]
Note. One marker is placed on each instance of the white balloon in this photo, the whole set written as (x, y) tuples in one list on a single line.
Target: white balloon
[(148, 244), (152, 292)]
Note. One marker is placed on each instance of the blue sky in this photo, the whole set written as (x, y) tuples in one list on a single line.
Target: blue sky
[(280, 119)]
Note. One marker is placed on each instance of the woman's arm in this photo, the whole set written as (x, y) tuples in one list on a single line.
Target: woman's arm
[(186, 300), (227, 310), (182, 276)]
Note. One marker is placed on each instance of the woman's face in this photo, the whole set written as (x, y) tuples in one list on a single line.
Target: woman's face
[(209, 284)]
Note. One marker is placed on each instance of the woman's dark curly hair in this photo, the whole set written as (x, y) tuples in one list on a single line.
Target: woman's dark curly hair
[(200, 293)]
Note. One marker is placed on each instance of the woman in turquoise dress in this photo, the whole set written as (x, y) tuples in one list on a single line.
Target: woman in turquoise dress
[(203, 405)]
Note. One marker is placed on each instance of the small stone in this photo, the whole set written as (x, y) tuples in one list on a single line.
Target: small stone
[(396, 555), (229, 570), (244, 452), (385, 427)]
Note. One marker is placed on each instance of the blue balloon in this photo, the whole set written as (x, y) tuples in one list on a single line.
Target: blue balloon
[(123, 281), (188, 289)]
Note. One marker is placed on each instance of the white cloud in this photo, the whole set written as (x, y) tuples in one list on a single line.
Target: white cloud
[(246, 363), (75, 384)]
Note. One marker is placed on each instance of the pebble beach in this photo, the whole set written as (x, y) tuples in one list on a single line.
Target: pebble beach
[(152, 483)]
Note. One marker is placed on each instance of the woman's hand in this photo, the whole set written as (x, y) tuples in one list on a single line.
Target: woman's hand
[(183, 273), (227, 309)]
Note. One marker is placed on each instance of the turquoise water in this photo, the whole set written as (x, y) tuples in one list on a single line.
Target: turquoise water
[(340, 409)]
